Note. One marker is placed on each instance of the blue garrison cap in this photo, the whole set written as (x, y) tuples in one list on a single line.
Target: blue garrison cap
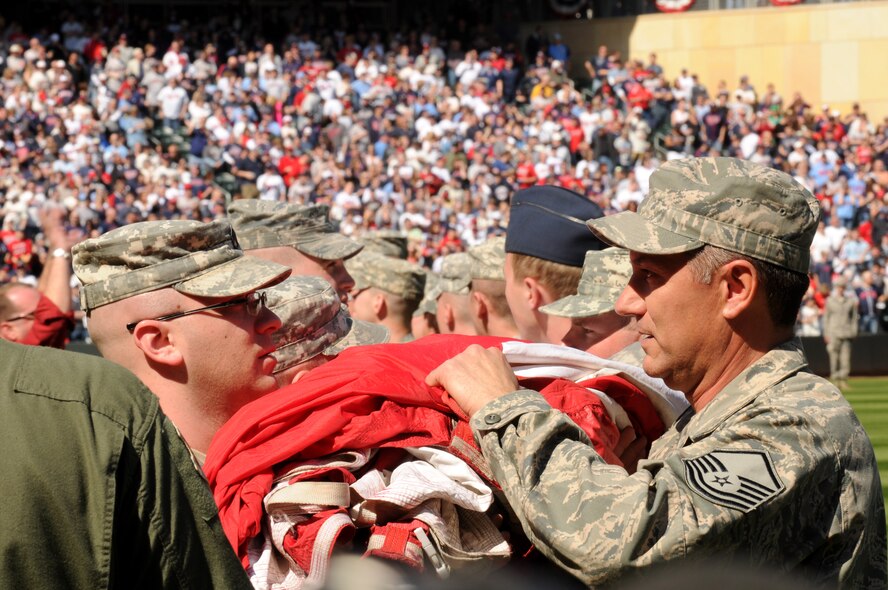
[(549, 222)]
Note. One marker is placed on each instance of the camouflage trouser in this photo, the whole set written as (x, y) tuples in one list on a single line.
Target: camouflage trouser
[(839, 350)]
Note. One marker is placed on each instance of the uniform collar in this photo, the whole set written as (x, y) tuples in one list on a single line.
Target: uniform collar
[(777, 364)]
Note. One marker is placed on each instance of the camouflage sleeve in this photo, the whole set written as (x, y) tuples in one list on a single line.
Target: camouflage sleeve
[(720, 493)]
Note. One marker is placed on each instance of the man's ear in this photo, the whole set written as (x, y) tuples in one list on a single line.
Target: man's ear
[(380, 308), (6, 332), (739, 287), (154, 340), (479, 306), (534, 294)]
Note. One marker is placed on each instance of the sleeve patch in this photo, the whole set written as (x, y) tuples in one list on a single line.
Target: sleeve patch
[(742, 480)]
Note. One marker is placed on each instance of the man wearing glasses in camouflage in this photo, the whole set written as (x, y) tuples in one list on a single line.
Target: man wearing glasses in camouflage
[(176, 303)]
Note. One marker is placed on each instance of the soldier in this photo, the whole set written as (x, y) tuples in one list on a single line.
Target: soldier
[(387, 242), (424, 320), (453, 312), (769, 466), (595, 326), (98, 488), (176, 303), (840, 321), (316, 327), (490, 309), (546, 242), (387, 291), (297, 236)]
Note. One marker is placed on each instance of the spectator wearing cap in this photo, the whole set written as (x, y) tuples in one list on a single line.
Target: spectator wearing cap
[(546, 242), (595, 326), (489, 306), (176, 303), (298, 236), (387, 291), (453, 311), (316, 327)]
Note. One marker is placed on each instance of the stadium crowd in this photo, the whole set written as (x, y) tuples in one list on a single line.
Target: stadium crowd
[(428, 132)]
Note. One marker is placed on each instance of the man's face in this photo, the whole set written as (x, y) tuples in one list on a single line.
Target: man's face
[(516, 296), (20, 319), (333, 271), (678, 318), (227, 351), (603, 335), (360, 304)]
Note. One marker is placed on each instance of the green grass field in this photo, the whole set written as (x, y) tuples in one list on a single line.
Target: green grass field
[(869, 396)]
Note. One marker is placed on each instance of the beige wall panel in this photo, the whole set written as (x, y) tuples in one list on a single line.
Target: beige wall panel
[(651, 35), (818, 25), (769, 28), (853, 23), (873, 70), (735, 30), (839, 67), (802, 71)]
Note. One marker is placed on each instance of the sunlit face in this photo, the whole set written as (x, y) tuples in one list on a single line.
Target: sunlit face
[(678, 318), (17, 323), (528, 327), (333, 271), (602, 335), (227, 352)]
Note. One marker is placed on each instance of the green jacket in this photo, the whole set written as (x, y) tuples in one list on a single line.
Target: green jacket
[(776, 469), (98, 490)]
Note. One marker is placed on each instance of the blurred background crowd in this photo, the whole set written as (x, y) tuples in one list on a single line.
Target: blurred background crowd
[(426, 131)]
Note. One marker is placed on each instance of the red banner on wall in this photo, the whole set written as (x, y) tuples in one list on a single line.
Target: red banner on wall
[(673, 5)]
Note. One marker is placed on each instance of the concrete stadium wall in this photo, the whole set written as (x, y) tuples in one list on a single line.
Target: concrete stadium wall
[(835, 54)]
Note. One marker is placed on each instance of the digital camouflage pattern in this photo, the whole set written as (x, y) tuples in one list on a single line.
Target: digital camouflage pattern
[(605, 274), (725, 202), (387, 242), (267, 224), (776, 468), (431, 292), (456, 274), (392, 275), (200, 259), (489, 260), (314, 321)]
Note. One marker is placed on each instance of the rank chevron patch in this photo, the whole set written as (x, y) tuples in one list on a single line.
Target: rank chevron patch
[(742, 480)]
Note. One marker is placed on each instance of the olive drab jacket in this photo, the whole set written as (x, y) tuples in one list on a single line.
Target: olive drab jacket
[(98, 489)]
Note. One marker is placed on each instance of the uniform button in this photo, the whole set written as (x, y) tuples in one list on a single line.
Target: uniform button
[(492, 418)]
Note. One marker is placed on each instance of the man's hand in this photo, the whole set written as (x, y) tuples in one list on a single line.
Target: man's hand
[(474, 377), (52, 220)]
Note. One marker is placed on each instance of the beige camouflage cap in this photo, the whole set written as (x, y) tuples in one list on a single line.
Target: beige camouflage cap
[(267, 224), (431, 292), (725, 202), (456, 274), (489, 260), (200, 259), (386, 242), (605, 274), (314, 321), (392, 275)]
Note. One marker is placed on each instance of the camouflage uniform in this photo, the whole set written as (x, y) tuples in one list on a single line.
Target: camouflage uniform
[(386, 242), (392, 275), (605, 274), (429, 302), (456, 275), (840, 318), (199, 259), (488, 260), (314, 322), (307, 228), (775, 470)]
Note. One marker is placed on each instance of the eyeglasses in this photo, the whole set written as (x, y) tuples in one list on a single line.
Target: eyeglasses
[(254, 303)]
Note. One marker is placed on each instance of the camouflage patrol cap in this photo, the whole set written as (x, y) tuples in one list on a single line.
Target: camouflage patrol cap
[(314, 321), (456, 274), (392, 275), (386, 242), (605, 274), (725, 202), (489, 260), (431, 292), (200, 259), (307, 228)]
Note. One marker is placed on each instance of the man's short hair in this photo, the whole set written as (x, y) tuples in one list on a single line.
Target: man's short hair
[(560, 279), (784, 289)]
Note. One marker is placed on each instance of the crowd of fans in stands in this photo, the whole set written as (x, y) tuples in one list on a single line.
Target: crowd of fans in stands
[(421, 132)]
